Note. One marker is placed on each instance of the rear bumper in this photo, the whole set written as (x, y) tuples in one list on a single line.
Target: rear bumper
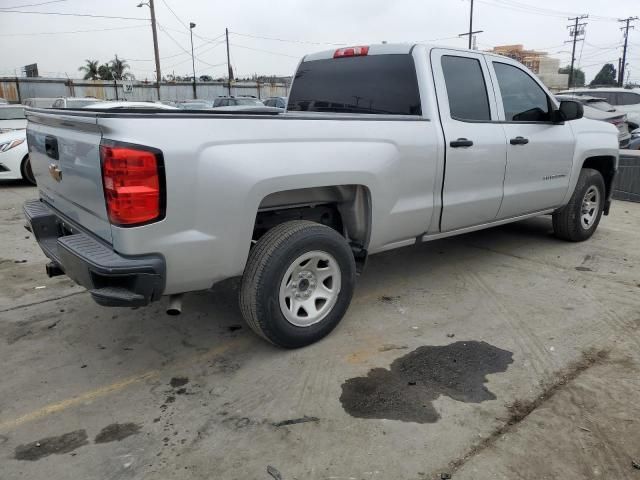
[(112, 279)]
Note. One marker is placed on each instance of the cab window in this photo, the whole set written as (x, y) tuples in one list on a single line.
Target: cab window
[(466, 88), (522, 98)]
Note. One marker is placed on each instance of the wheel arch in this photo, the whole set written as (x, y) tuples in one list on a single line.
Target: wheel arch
[(606, 165), (351, 202)]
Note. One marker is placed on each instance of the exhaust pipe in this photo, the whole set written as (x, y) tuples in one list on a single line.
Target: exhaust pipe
[(175, 305)]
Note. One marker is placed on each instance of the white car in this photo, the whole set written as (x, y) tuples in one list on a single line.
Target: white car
[(121, 105), (14, 157), (597, 108), (11, 117), (624, 99), (74, 102)]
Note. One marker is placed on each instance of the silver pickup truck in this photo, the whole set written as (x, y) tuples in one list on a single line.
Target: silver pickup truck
[(380, 147)]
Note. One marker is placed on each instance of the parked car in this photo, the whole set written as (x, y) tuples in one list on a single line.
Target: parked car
[(129, 105), (626, 100), (14, 156), (295, 202), (196, 105), (278, 102), (74, 102), (237, 101), (634, 143), (39, 102), (598, 109), (11, 117)]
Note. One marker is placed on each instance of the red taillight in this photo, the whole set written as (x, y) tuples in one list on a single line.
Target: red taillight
[(360, 51), (133, 184)]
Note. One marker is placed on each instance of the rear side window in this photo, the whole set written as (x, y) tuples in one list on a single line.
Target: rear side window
[(628, 98), (523, 99), (466, 88), (376, 84)]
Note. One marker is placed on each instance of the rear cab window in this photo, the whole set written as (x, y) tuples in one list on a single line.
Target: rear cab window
[(372, 84)]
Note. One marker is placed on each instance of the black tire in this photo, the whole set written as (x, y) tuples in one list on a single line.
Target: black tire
[(268, 262), (567, 222), (26, 171)]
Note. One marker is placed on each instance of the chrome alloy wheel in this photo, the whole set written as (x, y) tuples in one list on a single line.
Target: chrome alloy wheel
[(309, 288), (590, 207)]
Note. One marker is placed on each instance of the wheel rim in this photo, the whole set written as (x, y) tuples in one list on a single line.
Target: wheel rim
[(590, 207), (309, 288)]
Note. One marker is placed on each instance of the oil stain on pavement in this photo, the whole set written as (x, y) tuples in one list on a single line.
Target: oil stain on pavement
[(52, 445), (407, 389), (116, 432)]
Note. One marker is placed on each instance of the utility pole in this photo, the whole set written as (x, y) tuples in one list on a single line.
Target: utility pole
[(575, 31), (230, 70), (471, 34), (623, 65), (155, 42), (193, 60)]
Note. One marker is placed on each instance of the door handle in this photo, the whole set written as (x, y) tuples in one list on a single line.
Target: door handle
[(461, 142), (519, 141)]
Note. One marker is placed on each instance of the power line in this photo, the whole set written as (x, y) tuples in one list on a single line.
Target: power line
[(284, 39), (162, 29), (32, 4), (69, 32), (265, 51), (2, 10)]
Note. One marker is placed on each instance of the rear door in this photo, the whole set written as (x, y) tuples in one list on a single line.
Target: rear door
[(539, 152), (65, 158), (475, 141)]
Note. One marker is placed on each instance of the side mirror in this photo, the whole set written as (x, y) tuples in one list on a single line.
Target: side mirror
[(569, 110)]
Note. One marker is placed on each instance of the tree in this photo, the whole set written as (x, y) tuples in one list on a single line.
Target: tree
[(606, 76), (206, 78), (90, 70), (104, 71), (118, 67), (578, 76)]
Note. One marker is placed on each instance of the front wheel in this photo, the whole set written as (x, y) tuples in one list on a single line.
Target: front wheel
[(298, 283), (579, 219)]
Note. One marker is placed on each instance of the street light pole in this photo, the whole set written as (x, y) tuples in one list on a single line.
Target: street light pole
[(155, 42), (193, 61)]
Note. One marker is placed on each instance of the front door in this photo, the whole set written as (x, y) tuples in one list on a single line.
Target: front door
[(539, 152), (475, 143)]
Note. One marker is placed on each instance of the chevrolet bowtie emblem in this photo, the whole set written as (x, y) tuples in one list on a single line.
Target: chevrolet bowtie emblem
[(55, 172)]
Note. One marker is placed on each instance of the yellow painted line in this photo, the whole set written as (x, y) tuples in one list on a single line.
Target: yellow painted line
[(98, 393)]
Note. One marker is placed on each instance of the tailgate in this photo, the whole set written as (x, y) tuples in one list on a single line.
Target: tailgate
[(65, 158)]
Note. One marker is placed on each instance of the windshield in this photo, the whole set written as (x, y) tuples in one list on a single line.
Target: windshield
[(12, 113), (73, 103), (248, 101)]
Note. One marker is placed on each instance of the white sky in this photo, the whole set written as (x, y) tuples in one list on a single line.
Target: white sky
[(539, 24)]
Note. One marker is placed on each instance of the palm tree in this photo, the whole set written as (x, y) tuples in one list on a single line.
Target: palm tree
[(118, 67), (104, 71), (90, 70)]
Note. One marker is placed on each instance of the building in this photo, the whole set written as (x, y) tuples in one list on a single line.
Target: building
[(540, 63)]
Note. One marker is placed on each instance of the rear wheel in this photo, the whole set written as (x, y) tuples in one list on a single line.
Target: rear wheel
[(27, 171), (579, 219), (298, 283)]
